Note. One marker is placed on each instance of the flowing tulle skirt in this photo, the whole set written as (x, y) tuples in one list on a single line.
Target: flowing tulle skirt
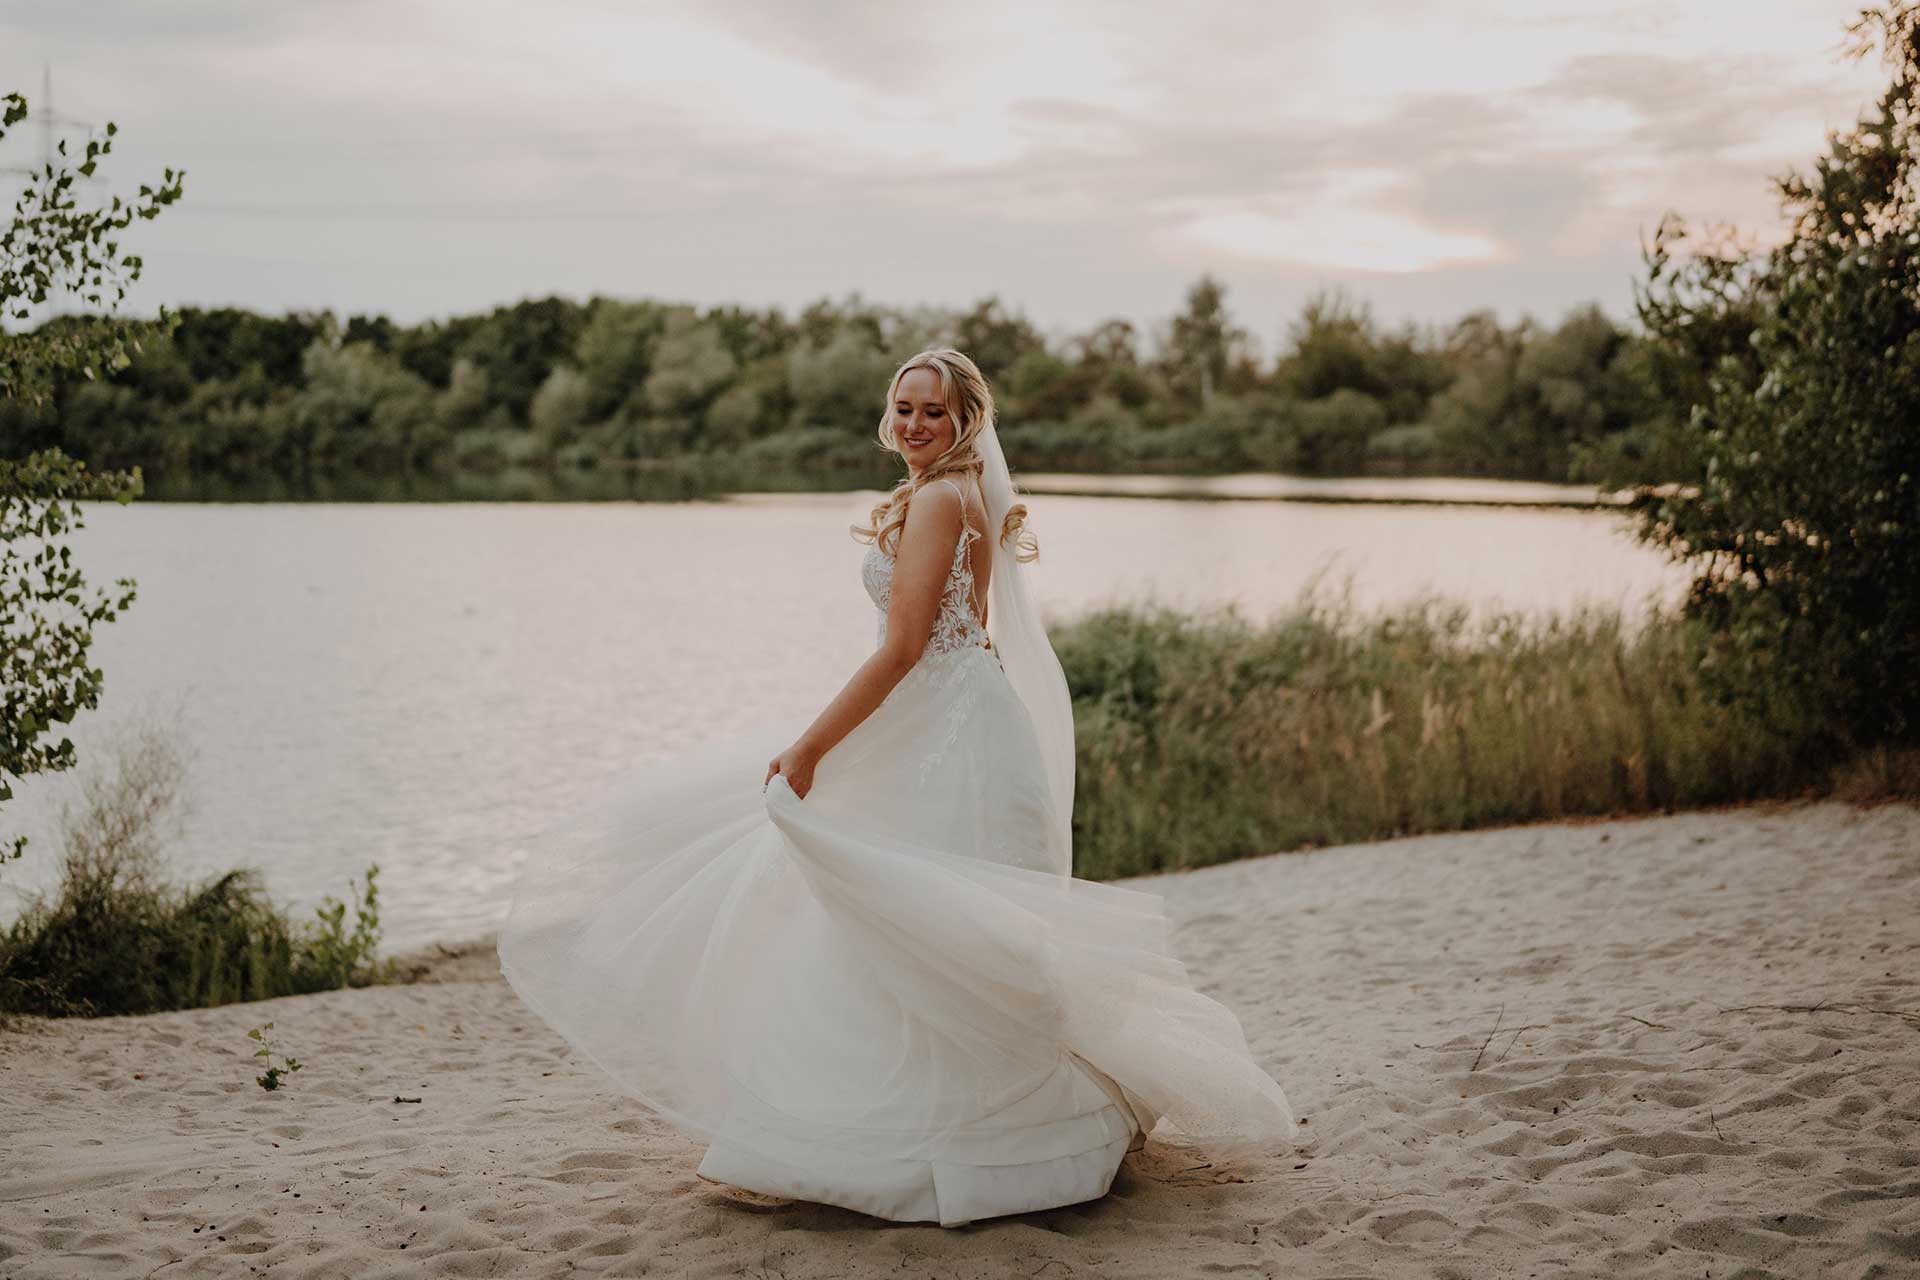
[(876, 996)]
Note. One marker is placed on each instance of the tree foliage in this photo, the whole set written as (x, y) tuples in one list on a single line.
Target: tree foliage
[(47, 610), (52, 244), (1797, 371), (1201, 343), (47, 613)]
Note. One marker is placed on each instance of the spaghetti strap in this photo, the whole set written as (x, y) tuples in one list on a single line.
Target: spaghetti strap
[(967, 532)]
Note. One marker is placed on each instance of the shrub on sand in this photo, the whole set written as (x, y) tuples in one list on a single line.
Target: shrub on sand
[(115, 937)]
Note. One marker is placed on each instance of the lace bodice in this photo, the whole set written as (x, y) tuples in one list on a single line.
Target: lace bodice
[(955, 627)]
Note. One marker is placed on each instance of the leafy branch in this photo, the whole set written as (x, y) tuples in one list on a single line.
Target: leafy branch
[(52, 244), (47, 612)]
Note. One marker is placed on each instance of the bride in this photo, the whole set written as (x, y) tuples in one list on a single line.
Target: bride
[(867, 977)]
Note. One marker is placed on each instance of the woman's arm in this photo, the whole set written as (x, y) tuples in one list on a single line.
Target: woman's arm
[(923, 557)]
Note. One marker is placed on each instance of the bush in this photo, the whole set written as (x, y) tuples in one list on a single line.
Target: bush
[(733, 417), (1201, 446), (1409, 447), (115, 938), (358, 405), (499, 445), (1799, 507), (1058, 446), (1332, 433), (559, 407), (816, 448)]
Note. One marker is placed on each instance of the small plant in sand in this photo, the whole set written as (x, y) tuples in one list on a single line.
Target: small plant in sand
[(336, 957), (270, 1049)]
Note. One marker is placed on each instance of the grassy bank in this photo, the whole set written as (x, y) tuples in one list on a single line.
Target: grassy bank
[(1207, 738), (116, 936)]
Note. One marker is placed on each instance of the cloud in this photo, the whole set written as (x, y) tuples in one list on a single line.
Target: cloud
[(1081, 159)]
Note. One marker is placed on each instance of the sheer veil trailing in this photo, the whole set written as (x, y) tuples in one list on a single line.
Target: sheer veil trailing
[(1020, 637)]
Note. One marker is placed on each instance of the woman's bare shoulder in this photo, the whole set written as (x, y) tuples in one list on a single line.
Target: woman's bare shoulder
[(939, 503), (972, 503)]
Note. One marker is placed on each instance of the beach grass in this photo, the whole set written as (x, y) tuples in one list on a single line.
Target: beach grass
[(1207, 737), (117, 936)]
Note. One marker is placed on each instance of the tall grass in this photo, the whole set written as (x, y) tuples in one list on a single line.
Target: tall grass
[(1201, 738), (1206, 738), (115, 937)]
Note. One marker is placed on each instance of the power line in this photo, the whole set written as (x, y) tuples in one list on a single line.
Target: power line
[(50, 120), (477, 213)]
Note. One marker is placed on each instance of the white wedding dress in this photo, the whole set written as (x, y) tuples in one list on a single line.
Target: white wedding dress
[(887, 995)]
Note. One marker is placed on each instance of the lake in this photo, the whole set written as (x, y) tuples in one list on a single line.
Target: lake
[(414, 684)]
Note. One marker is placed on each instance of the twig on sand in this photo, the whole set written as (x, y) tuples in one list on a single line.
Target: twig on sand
[(1716, 1125), (1497, 1018), (1905, 1015), (1658, 1026), (1515, 1039)]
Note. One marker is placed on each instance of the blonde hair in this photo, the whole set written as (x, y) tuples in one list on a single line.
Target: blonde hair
[(969, 403)]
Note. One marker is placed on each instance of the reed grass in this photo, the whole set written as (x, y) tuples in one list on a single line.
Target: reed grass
[(115, 937), (1204, 738)]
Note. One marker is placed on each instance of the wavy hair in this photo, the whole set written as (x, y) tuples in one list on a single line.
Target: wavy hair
[(969, 402)]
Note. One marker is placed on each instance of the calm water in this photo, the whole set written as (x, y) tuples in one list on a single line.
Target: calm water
[(411, 684)]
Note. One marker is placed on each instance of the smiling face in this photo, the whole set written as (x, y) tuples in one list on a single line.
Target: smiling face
[(923, 427)]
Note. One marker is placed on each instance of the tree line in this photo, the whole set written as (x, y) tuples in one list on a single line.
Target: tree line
[(610, 382)]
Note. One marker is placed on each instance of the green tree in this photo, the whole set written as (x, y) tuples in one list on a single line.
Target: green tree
[(51, 244), (732, 417), (225, 342), (690, 365), (559, 408), (1331, 434), (47, 610), (1474, 419), (519, 345), (430, 350), (1109, 345), (1797, 504), (994, 337), (1202, 342), (1043, 387), (1526, 400), (841, 384), (1331, 347), (358, 405)]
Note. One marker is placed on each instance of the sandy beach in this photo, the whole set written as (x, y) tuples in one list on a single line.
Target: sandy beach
[(1686, 1045)]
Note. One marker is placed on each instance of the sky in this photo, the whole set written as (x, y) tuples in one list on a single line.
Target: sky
[(1080, 161)]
